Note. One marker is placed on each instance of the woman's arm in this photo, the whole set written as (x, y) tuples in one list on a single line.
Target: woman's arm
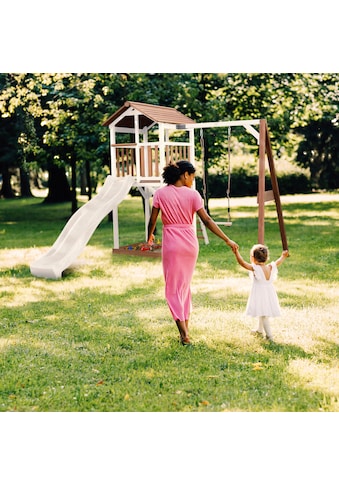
[(151, 224), (213, 227)]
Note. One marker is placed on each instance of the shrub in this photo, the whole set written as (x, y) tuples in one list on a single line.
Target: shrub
[(245, 184)]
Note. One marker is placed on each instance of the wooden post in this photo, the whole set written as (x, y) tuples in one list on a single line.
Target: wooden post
[(275, 189), (261, 182)]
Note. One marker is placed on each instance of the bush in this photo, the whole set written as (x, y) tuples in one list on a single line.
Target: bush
[(245, 184)]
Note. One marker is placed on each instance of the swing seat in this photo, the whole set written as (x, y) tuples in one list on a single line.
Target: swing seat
[(223, 223)]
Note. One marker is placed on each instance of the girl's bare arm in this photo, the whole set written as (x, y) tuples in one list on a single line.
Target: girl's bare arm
[(285, 254), (241, 261)]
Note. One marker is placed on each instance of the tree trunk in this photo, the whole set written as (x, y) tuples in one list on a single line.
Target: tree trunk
[(83, 182), (24, 184), (58, 186), (89, 182), (74, 184), (6, 190)]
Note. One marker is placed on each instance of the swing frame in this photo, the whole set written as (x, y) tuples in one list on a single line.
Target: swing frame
[(265, 149)]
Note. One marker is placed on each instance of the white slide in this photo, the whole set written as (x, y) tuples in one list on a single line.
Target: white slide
[(80, 227)]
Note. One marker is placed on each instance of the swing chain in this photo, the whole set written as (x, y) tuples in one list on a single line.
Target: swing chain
[(228, 190), (204, 189)]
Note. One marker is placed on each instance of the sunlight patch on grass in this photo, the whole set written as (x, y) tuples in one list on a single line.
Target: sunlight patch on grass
[(32, 343), (140, 272), (8, 342), (318, 377), (319, 294), (219, 328), (304, 327), (221, 286), (9, 258), (312, 222), (16, 294)]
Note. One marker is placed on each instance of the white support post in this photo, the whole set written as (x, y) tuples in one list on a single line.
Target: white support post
[(115, 219), (147, 193), (144, 148), (162, 146), (113, 151), (115, 228), (203, 231), (137, 148), (167, 142), (191, 147), (147, 212)]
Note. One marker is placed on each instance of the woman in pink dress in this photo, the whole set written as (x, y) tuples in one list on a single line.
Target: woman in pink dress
[(178, 203)]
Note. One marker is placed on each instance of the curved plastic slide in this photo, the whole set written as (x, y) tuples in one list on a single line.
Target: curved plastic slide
[(80, 227)]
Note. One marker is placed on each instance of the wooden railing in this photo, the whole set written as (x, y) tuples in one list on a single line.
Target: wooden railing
[(125, 159), (149, 158)]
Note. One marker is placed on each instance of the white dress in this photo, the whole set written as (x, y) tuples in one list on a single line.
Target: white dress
[(263, 300)]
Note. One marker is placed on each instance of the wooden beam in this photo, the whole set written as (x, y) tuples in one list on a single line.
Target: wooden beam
[(261, 182), (124, 145), (276, 192), (269, 195)]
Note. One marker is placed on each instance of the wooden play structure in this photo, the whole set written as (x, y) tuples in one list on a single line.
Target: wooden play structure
[(144, 138)]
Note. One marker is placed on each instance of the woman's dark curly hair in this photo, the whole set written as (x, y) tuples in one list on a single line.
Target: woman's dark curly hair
[(173, 171)]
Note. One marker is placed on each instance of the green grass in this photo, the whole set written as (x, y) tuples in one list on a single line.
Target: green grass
[(102, 339)]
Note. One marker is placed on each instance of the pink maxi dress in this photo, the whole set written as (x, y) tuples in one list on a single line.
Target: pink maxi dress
[(180, 246)]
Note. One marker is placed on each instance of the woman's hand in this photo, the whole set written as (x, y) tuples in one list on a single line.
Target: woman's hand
[(150, 241), (232, 244)]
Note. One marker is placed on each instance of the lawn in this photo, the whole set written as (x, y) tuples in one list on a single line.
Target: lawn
[(102, 339)]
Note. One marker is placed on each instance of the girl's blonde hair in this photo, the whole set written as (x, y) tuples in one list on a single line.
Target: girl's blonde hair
[(260, 253)]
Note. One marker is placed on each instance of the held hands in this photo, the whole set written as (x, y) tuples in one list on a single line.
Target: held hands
[(235, 249), (285, 253), (233, 245)]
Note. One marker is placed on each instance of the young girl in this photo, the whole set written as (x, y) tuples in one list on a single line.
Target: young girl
[(263, 300)]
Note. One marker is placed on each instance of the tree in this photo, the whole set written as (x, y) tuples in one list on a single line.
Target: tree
[(8, 151), (319, 152)]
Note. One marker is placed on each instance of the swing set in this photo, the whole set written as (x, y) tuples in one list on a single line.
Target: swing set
[(264, 195)]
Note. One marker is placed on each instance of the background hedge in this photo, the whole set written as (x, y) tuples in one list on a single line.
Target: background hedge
[(244, 184)]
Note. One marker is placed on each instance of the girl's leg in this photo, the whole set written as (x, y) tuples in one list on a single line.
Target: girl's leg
[(261, 325), (267, 328), (260, 329)]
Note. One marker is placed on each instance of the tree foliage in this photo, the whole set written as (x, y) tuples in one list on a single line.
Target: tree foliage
[(54, 120), (319, 152)]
